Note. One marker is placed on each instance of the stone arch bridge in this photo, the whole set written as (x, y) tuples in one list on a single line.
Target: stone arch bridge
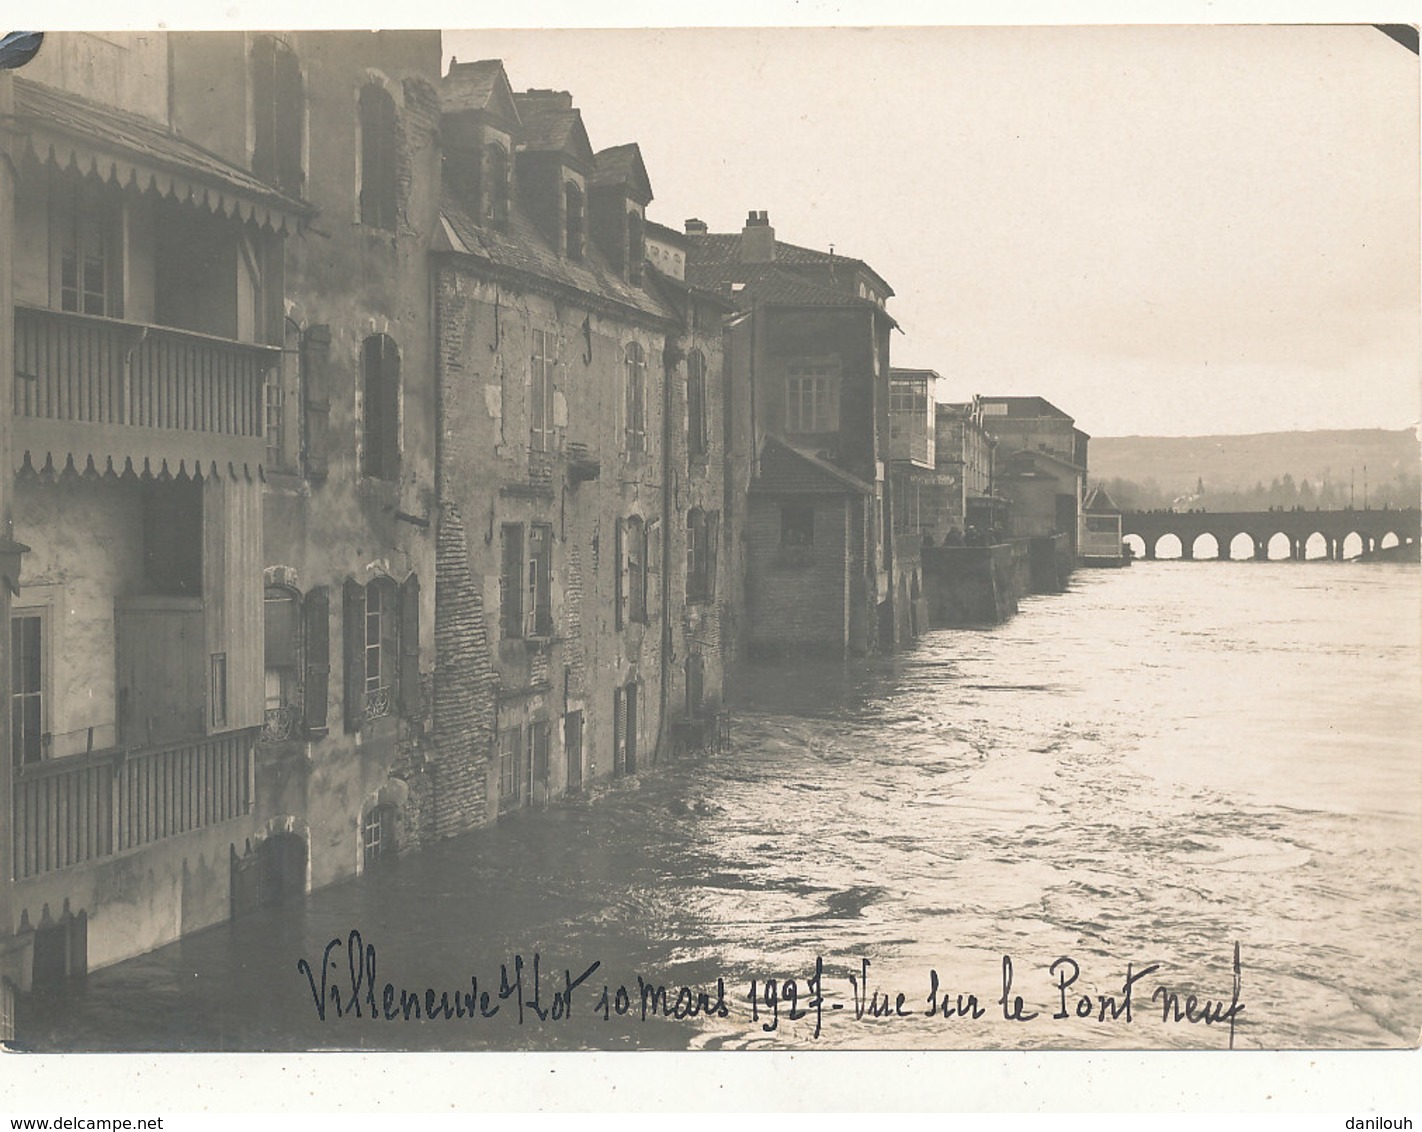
[(1371, 527)]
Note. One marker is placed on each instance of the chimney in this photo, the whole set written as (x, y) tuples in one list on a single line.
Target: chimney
[(758, 239), (695, 227)]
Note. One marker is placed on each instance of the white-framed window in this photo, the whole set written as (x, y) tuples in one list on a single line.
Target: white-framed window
[(812, 398), (542, 365), (634, 385), (29, 706), (511, 770)]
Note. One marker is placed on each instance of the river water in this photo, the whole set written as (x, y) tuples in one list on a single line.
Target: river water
[(1141, 773)]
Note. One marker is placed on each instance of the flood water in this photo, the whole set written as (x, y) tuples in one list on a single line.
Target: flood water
[(1148, 769)]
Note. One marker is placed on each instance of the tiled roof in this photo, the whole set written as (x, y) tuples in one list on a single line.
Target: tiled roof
[(622, 165), (472, 86), (1026, 407), (768, 283), (153, 155), (785, 468), (718, 249), (523, 248)]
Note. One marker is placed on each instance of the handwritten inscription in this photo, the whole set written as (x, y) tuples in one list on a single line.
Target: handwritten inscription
[(345, 984)]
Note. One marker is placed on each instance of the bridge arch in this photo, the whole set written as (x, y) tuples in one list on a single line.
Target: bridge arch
[(1241, 546), (1168, 545), (1206, 545), (1388, 540), (1137, 545), (1352, 545), (1315, 546)]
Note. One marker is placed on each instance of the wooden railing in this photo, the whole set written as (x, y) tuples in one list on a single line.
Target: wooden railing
[(71, 810), (75, 367)]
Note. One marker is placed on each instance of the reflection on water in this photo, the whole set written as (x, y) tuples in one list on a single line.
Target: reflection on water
[(1159, 763)]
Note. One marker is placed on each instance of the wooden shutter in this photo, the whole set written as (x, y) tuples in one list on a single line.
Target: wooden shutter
[(317, 612), (316, 396), (353, 652), (409, 673), (619, 730), (711, 542), (653, 568), (620, 605)]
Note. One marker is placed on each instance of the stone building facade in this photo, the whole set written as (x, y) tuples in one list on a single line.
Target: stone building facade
[(808, 442), (223, 468)]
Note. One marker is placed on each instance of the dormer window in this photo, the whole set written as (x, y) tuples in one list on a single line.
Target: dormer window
[(636, 248), (278, 114), (496, 200), (573, 220)]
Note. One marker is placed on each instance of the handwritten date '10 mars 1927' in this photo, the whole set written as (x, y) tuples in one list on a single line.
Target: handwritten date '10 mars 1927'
[(528, 991)]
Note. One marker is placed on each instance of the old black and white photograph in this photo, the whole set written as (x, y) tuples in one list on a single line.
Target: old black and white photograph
[(693, 539)]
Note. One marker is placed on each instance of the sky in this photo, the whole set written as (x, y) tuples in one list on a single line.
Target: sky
[(1163, 230)]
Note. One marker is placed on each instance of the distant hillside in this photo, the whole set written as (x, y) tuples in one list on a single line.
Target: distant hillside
[(1237, 463)]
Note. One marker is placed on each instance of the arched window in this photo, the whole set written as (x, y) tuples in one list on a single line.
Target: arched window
[(636, 248), (380, 360), (635, 389), (377, 157), (573, 213), (496, 200), (697, 436), (278, 114)]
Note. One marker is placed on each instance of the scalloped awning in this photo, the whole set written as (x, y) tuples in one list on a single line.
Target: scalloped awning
[(70, 132)]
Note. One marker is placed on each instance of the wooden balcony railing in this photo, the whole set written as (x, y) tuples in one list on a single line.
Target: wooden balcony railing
[(71, 810), (81, 368)]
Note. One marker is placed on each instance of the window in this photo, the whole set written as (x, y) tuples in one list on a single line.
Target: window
[(27, 706), (380, 458), (274, 424), (635, 388), (701, 543), (539, 737), (573, 750), (810, 399), (573, 218), (218, 693), (381, 647), (624, 729), (496, 200), (525, 581), (636, 248), (541, 437), (797, 524), (510, 768), (696, 430), (538, 572), (282, 651), (382, 650), (278, 114), (632, 576), (377, 157), (378, 834), (87, 241)]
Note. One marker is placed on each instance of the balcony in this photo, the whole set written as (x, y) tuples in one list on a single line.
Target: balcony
[(71, 810), (158, 393)]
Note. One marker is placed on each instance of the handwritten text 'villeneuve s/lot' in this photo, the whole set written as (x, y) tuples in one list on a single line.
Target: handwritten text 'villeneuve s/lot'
[(533, 992)]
